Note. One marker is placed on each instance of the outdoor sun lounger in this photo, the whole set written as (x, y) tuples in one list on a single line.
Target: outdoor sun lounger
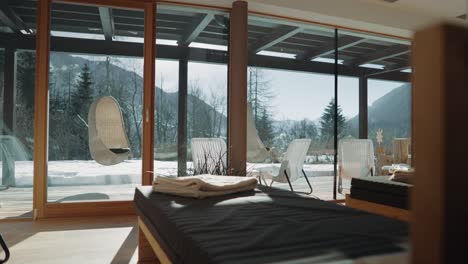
[(355, 159), (292, 165)]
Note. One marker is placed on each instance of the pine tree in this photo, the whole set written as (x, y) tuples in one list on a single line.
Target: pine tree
[(303, 129), (55, 101), (265, 128), (25, 73), (2, 61), (80, 103), (327, 124), (26, 62), (82, 97)]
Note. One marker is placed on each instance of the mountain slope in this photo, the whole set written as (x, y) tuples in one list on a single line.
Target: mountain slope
[(391, 113)]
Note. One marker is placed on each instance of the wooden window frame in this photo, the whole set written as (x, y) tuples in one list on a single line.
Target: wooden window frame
[(41, 207)]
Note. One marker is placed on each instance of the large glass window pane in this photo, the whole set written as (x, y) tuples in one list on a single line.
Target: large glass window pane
[(17, 75), (95, 103), (192, 89), (389, 120), (166, 117), (291, 97), (348, 107), (371, 67)]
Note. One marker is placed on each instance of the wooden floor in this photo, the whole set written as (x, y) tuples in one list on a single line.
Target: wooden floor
[(17, 202), (79, 240)]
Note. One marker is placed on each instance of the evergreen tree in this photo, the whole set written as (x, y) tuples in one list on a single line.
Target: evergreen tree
[(55, 102), (25, 73), (80, 103), (26, 62), (2, 61), (303, 129), (265, 128), (82, 97), (327, 124)]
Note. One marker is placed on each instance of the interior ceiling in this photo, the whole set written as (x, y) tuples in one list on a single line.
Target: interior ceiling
[(401, 18), (441, 8)]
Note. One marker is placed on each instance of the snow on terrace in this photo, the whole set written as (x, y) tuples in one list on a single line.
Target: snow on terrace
[(79, 172)]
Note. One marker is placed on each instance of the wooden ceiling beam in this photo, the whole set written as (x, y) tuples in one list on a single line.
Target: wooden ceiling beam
[(107, 22), (398, 67), (329, 48), (12, 20), (119, 48), (276, 36), (193, 31), (390, 52)]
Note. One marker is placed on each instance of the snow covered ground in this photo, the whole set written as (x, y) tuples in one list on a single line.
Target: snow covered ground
[(82, 172)]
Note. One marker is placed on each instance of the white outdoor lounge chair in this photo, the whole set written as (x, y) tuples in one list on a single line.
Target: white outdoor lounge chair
[(208, 155), (293, 162), (108, 142), (355, 159)]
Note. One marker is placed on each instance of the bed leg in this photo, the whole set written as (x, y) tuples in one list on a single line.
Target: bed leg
[(145, 251)]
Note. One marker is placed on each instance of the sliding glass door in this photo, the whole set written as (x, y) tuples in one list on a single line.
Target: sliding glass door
[(310, 82), (17, 78), (191, 89), (290, 95), (95, 103)]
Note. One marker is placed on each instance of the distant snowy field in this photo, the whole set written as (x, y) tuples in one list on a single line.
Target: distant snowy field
[(79, 172)]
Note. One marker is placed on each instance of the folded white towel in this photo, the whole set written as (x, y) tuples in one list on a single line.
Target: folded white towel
[(203, 186)]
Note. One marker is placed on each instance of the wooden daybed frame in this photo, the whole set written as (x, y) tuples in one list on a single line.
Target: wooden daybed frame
[(385, 210), (149, 250)]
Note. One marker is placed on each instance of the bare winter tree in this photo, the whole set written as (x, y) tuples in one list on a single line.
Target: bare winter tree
[(217, 101), (260, 96)]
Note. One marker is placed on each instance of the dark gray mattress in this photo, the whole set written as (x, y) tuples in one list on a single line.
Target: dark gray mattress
[(381, 190), (263, 226)]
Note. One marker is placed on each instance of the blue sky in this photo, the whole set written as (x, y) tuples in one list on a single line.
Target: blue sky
[(298, 95)]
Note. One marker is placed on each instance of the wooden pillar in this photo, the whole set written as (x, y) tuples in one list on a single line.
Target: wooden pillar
[(41, 108), (182, 117), (9, 92), (439, 201), (363, 109), (148, 93), (237, 90)]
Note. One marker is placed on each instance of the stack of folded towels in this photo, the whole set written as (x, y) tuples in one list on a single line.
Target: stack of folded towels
[(203, 186)]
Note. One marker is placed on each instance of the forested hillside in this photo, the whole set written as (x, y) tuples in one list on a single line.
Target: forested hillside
[(391, 113)]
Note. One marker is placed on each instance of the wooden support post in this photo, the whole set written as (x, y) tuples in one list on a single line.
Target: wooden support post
[(182, 117), (41, 108), (237, 91), (363, 111), (145, 251), (9, 92), (148, 93), (439, 203)]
